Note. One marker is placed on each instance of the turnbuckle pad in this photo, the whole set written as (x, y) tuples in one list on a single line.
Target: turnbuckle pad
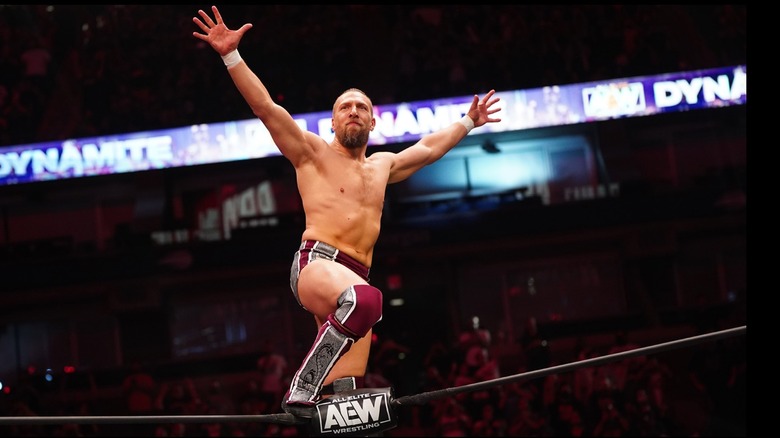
[(359, 412)]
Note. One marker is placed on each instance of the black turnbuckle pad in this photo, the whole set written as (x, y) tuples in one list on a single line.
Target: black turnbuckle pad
[(359, 412)]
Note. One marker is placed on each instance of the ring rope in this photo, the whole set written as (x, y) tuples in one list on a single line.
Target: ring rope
[(425, 397), (417, 399), (282, 418)]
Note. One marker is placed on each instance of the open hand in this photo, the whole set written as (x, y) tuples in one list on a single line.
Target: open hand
[(216, 33), (482, 110)]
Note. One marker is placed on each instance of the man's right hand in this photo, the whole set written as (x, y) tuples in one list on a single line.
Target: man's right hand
[(217, 34)]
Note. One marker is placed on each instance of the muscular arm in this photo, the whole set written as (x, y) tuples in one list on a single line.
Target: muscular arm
[(429, 149), (434, 145), (295, 143)]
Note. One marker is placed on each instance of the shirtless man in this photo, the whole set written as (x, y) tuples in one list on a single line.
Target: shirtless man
[(343, 193)]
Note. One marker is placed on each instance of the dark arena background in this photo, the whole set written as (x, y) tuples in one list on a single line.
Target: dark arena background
[(147, 225)]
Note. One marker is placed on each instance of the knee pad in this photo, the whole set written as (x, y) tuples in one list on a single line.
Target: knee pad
[(360, 307)]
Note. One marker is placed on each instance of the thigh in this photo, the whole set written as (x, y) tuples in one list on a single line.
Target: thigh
[(321, 282)]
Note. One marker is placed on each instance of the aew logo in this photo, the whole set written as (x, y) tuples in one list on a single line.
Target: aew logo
[(614, 99), (355, 412)]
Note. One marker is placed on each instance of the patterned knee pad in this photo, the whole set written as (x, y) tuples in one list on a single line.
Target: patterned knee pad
[(360, 307)]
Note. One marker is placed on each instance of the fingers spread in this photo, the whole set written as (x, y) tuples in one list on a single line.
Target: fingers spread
[(200, 24), (206, 18), (217, 15)]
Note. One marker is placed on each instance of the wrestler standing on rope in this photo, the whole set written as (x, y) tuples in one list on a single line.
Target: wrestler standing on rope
[(343, 193)]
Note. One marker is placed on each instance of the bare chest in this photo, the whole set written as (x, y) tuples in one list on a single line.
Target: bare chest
[(359, 181), (350, 181)]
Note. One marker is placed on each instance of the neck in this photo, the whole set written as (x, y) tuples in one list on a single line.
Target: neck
[(359, 152)]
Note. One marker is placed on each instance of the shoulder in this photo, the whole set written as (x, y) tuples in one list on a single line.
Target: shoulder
[(382, 156), (383, 160), (315, 142), (309, 149)]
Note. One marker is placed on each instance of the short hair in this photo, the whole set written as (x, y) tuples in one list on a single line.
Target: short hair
[(349, 90)]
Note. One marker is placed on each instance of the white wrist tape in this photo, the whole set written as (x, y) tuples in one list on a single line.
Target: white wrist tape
[(232, 58), (467, 122)]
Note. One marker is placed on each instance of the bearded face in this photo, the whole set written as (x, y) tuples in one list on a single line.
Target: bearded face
[(354, 138), (353, 119)]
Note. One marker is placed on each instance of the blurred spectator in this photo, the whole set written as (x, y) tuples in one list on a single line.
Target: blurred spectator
[(476, 366), (389, 359), (645, 419), (610, 420), (74, 429), (23, 111), (451, 418), (527, 420), (489, 422), (20, 408), (605, 410), (273, 368), (252, 402), (566, 417), (713, 370), (374, 377), (655, 378), (474, 336), (140, 390), (535, 347), (584, 377), (178, 398), (618, 371), (535, 350), (440, 365), (36, 59), (219, 401)]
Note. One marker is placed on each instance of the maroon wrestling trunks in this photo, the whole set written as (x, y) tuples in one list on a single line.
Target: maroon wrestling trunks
[(314, 249)]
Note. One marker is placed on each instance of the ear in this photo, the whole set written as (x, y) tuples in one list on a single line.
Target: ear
[(332, 125), (373, 123)]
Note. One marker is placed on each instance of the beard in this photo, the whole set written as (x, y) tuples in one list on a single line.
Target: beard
[(355, 139)]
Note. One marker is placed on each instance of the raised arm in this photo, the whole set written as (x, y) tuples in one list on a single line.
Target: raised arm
[(294, 142), (434, 145)]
